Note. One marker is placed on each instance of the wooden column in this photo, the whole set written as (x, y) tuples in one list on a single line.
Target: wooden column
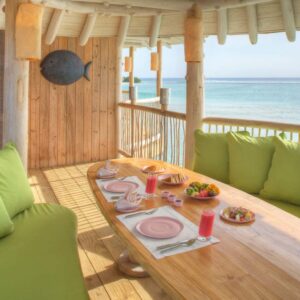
[(193, 42), (16, 78), (131, 73), (159, 69), (123, 29)]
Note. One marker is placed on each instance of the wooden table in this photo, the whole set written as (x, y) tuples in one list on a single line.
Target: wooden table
[(257, 261)]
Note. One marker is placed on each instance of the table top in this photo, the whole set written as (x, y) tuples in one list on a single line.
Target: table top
[(260, 260)]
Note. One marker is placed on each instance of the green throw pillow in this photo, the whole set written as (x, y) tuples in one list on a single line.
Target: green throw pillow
[(211, 154), (249, 161), (6, 225), (14, 187), (283, 182)]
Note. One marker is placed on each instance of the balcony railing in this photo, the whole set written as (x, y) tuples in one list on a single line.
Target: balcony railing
[(150, 132)]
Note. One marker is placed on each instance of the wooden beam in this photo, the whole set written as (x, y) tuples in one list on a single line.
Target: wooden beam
[(194, 81), (101, 8), (54, 25), (155, 28), (16, 81), (131, 73), (222, 25), (87, 28), (123, 29), (183, 5), (288, 19), (159, 70), (252, 23)]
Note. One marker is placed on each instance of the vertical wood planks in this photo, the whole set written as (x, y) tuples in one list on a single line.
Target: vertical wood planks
[(74, 123), (111, 99), (103, 98), (87, 105), (62, 116), (96, 100), (71, 113)]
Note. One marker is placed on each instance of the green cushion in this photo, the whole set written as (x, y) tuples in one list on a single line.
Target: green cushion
[(14, 188), (6, 225), (283, 182), (290, 208), (211, 155), (40, 259), (249, 161)]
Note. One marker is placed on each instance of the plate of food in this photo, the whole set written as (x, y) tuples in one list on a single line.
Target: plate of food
[(202, 191), (239, 215), (172, 179), (154, 169)]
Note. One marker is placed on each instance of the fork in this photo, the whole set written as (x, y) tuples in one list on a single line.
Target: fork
[(150, 212), (176, 244), (182, 244), (117, 179)]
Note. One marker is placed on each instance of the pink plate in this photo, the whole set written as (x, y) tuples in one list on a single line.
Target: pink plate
[(120, 186), (162, 179), (159, 227)]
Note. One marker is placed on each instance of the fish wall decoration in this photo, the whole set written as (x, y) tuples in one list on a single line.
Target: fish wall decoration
[(64, 67)]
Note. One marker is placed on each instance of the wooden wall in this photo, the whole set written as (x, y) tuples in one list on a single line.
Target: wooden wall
[(74, 123)]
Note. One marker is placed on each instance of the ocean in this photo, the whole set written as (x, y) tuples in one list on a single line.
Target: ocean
[(268, 99)]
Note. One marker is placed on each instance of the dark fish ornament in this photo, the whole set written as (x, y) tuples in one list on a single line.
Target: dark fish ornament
[(64, 67)]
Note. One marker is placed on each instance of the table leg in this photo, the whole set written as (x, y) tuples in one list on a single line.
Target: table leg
[(129, 266)]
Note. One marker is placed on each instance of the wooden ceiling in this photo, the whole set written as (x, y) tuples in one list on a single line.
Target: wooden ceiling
[(150, 20)]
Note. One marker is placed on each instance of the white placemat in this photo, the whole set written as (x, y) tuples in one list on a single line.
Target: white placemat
[(189, 231), (108, 196)]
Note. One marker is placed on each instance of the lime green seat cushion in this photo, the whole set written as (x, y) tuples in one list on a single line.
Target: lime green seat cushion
[(249, 161), (14, 187), (211, 155), (6, 225), (283, 182), (40, 259), (290, 208)]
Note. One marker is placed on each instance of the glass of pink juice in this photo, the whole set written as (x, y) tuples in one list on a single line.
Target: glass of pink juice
[(206, 224), (151, 185)]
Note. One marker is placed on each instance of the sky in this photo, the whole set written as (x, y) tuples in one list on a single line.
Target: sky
[(272, 56)]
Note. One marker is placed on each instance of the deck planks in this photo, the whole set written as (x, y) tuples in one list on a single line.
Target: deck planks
[(98, 246)]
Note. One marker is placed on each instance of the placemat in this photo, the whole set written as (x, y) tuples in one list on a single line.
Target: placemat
[(108, 196), (189, 231)]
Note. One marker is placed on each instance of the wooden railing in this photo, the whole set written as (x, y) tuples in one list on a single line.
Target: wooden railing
[(255, 128), (151, 132)]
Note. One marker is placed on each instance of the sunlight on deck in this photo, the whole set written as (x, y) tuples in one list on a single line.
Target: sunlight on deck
[(98, 246)]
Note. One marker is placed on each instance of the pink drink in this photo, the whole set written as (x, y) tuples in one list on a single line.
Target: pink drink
[(151, 184), (206, 223)]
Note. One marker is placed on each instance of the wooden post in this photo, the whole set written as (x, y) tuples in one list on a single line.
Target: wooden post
[(159, 69), (123, 29), (193, 42), (16, 80), (131, 73)]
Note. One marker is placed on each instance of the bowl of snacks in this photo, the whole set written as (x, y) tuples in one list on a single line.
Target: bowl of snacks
[(202, 191), (172, 179), (239, 215), (154, 169)]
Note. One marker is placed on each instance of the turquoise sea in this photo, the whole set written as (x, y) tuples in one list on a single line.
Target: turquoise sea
[(245, 98)]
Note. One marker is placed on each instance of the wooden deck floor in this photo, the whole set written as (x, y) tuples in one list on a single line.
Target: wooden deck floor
[(98, 246)]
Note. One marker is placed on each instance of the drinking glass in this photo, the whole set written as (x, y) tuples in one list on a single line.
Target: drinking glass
[(206, 224), (151, 184)]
